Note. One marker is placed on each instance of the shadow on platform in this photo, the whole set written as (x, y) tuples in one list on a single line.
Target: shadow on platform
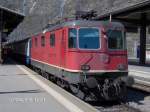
[(9, 61), (137, 64), (24, 91), (136, 96), (4, 75)]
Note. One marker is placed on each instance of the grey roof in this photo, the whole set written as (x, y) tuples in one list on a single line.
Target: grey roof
[(14, 6), (85, 23), (12, 11), (43, 12)]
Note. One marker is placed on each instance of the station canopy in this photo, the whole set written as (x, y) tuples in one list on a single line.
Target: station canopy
[(44, 12), (9, 20), (132, 15)]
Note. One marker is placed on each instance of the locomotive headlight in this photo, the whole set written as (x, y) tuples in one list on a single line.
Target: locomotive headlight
[(105, 58), (121, 67), (85, 67)]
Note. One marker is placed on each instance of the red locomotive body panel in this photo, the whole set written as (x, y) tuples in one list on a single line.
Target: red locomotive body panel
[(51, 55), (71, 59), (95, 60)]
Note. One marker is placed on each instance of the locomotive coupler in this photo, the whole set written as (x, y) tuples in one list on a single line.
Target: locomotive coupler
[(85, 69)]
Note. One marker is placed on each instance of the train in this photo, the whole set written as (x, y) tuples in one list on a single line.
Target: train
[(82, 55)]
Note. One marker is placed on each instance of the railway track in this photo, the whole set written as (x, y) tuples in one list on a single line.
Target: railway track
[(141, 87), (117, 108), (142, 80), (137, 101)]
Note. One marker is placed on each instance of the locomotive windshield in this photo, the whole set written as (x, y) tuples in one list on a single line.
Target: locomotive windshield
[(89, 38), (116, 39)]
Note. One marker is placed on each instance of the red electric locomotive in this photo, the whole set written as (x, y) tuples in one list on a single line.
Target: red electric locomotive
[(89, 56)]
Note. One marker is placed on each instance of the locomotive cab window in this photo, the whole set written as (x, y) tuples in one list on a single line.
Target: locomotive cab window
[(72, 38), (116, 39), (43, 41), (52, 40), (89, 38)]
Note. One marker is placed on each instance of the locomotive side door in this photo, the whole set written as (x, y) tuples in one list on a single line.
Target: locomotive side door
[(63, 48)]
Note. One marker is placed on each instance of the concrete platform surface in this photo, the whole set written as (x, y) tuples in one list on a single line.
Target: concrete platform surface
[(22, 90), (141, 74)]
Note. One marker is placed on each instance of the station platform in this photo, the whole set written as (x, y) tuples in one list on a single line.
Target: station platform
[(23, 90), (141, 74), (135, 61)]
